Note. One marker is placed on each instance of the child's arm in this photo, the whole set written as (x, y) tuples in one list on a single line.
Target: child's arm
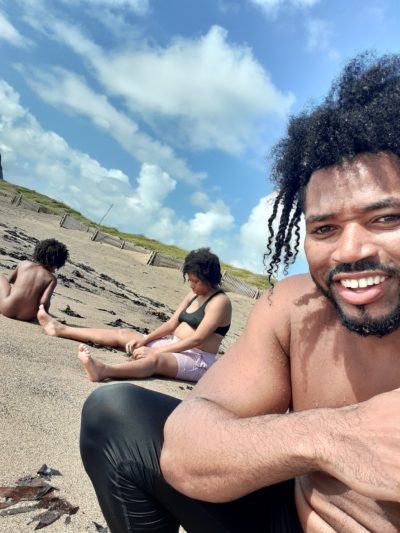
[(13, 275), (45, 299)]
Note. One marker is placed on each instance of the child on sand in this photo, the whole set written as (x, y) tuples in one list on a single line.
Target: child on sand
[(32, 282)]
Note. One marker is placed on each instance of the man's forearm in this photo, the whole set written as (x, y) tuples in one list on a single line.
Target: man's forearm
[(213, 455), (234, 456)]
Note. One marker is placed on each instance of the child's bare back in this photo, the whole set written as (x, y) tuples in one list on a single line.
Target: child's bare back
[(32, 282)]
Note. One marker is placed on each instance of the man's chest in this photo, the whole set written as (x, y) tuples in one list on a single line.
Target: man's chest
[(336, 368)]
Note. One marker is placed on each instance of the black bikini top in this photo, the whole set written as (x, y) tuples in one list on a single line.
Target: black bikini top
[(194, 319)]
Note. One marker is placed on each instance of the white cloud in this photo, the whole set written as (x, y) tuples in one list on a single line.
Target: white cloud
[(253, 236), (218, 217), (271, 7), (154, 186), (66, 90), (11, 35), (44, 161), (227, 7), (203, 93), (319, 35), (200, 199), (139, 7)]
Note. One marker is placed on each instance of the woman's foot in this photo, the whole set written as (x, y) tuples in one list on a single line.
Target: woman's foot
[(50, 325), (94, 368)]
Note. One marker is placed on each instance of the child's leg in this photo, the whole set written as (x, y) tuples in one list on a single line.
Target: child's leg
[(115, 337), (161, 364)]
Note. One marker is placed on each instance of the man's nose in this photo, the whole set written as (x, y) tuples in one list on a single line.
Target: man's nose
[(355, 243)]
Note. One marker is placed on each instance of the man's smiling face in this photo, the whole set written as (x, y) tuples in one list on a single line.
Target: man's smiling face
[(352, 240)]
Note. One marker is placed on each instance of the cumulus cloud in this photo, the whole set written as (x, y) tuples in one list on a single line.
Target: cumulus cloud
[(207, 92), (200, 199), (203, 93), (253, 237), (44, 161)]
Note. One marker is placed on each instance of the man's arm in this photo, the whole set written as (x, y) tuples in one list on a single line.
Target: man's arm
[(208, 433), (233, 436)]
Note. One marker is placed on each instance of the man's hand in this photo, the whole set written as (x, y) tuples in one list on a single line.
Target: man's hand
[(365, 451)]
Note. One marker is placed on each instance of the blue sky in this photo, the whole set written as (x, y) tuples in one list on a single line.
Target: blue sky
[(166, 109)]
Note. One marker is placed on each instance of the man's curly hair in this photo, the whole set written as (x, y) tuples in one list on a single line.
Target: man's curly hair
[(361, 113), (203, 264), (50, 253)]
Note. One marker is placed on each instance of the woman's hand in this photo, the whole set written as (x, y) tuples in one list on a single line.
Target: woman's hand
[(133, 344), (142, 352)]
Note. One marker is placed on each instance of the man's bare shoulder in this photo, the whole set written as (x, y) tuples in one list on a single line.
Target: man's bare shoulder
[(293, 290)]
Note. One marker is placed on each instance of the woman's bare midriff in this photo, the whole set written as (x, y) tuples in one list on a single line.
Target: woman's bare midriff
[(325, 505), (210, 345)]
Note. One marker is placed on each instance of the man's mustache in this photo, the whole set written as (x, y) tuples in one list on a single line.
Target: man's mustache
[(359, 266)]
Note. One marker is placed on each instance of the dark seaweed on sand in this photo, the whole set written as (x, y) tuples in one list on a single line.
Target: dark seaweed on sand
[(34, 488)]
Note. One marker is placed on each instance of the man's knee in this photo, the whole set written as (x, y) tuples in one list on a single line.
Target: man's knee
[(124, 405), (109, 402)]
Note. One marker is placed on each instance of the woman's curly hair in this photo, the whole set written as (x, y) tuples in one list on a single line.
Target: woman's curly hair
[(361, 113), (203, 264), (50, 253)]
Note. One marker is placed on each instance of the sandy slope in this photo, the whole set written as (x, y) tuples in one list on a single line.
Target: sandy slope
[(42, 385)]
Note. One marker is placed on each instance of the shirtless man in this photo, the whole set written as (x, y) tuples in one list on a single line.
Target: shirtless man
[(32, 282), (297, 427)]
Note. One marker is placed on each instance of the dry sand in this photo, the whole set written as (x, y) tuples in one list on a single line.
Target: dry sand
[(43, 385)]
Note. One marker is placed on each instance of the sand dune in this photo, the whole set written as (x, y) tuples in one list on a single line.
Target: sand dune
[(43, 385)]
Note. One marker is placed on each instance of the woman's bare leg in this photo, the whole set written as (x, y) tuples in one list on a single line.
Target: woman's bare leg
[(164, 365), (115, 337)]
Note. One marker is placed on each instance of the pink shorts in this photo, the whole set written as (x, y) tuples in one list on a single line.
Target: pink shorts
[(192, 363)]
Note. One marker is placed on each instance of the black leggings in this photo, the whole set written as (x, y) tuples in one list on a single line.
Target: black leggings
[(121, 440)]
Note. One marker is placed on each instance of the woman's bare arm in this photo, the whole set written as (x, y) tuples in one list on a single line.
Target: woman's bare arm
[(167, 328)]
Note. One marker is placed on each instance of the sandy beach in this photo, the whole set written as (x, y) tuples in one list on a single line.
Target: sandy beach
[(43, 385)]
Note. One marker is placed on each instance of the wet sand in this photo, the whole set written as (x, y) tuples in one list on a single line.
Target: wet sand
[(43, 385)]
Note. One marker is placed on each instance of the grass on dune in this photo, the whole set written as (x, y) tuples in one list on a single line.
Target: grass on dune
[(59, 208)]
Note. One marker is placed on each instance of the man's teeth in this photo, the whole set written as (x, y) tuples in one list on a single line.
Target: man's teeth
[(362, 282)]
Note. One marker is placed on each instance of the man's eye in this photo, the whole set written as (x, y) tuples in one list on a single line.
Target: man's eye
[(388, 218), (322, 230)]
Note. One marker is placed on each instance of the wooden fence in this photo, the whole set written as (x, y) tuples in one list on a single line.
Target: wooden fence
[(69, 222), (228, 283), (234, 284), (20, 201)]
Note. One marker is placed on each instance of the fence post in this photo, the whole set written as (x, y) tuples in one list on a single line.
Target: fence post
[(63, 219), (150, 260)]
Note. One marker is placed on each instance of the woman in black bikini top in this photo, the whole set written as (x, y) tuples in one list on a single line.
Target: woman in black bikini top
[(194, 319), (183, 347)]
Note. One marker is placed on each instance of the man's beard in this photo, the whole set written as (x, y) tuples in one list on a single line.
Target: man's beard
[(365, 325)]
